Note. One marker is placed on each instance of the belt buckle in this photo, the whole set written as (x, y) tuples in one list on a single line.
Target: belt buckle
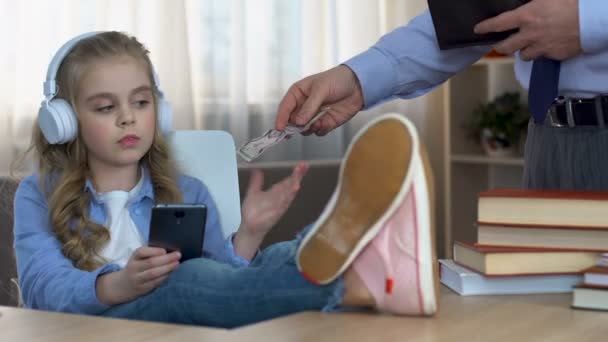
[(553, 120)]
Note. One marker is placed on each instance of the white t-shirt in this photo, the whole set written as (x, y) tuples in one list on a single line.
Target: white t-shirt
[(125, 238)]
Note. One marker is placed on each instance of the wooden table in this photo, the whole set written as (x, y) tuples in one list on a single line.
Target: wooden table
[(480, 318), (24, 325)]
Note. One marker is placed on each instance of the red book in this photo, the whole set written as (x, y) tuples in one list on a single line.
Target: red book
[(584, 209), (533, 218), (510, 260), (576, 238), (596, 276)]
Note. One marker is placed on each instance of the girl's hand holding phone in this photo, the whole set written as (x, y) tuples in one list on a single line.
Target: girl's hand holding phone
[(147, 268)]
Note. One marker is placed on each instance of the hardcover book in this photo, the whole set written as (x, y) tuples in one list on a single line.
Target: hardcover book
[(543, 236), (505, 261), (591, 297), (466, 282), (596, 276), (544, 208)]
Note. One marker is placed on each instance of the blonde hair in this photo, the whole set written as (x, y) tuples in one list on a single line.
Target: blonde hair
[(63, 169)]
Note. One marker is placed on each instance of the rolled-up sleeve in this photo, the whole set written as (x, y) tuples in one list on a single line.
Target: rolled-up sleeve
[(407, 62)]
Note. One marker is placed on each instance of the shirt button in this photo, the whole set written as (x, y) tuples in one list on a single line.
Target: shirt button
[(137, 211)]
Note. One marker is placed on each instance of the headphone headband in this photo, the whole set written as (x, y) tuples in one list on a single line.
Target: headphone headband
[(49, 87)]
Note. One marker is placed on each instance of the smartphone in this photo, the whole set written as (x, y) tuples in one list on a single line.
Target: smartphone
[(179, 227)]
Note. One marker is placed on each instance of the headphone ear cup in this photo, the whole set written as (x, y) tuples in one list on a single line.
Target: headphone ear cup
[(165, 116), (57, 121)]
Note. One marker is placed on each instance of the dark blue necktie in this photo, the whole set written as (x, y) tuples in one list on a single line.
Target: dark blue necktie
[(544, 80)]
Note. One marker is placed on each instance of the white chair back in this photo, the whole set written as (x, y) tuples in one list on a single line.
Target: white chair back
[(211, 157)]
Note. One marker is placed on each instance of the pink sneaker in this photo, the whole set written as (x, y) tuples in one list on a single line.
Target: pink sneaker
[(375, 176), (399, 267)]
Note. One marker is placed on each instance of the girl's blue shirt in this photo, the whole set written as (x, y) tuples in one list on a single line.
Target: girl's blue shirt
[(48, 279)]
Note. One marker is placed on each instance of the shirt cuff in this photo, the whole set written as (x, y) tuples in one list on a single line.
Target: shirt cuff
[(593, 20), (376, 75), (234, 258), (90, 302)]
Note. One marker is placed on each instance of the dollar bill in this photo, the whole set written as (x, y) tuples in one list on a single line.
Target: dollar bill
[(255, 147)]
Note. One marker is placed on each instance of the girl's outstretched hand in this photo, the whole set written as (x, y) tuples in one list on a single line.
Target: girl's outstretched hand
[(147, 268), (261, 210)]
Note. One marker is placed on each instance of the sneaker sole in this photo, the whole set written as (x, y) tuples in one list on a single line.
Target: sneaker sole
[(367, 194), (428, 276)]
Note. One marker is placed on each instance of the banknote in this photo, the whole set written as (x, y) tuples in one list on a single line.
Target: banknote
[(255, 147)]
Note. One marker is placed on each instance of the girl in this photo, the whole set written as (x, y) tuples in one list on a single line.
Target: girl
[(81, 223)]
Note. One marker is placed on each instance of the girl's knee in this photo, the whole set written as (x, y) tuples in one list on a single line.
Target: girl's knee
[(277, 254), (195, 270)]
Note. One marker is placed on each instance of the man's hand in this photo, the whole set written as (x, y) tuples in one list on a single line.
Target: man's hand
[(147, 268), (548, 28), (337, 88)]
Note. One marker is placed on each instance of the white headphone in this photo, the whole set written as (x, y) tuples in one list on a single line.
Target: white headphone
[(56, 117)]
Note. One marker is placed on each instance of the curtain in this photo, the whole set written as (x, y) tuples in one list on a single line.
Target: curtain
[(248, 53), (223, 64), (31, 31)]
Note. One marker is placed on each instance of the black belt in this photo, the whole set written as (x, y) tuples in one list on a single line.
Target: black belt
[(572, 112)]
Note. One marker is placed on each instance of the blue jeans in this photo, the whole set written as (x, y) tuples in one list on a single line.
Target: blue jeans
[(208, 293)]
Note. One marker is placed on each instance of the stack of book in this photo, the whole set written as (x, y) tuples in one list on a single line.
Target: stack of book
[(530, 242)]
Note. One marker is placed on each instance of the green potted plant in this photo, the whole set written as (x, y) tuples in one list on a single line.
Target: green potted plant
[(499, 124)]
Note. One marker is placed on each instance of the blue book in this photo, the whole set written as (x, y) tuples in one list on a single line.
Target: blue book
[(468, 283)]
